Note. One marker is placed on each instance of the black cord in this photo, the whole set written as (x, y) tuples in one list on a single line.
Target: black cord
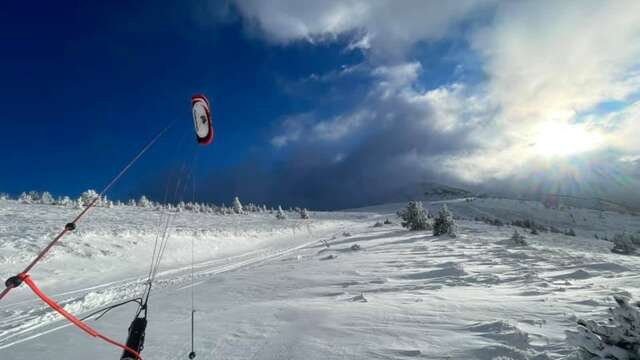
[(109, 308)]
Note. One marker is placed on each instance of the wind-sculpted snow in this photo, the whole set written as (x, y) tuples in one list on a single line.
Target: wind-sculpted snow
[(263, 292), (118, 242)]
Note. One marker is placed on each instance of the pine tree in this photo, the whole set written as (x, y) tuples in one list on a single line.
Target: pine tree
[(237, 206), (143, 202), (63, 201), (32, 197), (518, 239), (445, 224), (24, 198), (88, 196), (46, 198), (625, 243), (414, 216), (616, 339), (280, 214), (304, 214)]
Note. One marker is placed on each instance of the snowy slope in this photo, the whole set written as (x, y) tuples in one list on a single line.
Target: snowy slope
[(265, 292)]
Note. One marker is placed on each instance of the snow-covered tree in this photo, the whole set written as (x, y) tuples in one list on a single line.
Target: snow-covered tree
[(304, 214), (143, 202), (46, 198), (4, 196), (444, 223), (88, 196), (195, 207), (280, 214), (131, 202), (237, 206), (518, 239), (24, 198), (616, 339), (414, 217), (31, 197), (625, 243)]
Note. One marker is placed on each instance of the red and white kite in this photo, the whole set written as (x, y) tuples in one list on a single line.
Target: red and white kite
[(202, 119)]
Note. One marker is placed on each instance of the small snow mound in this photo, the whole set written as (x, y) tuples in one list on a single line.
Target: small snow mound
[(359, 298), (491, 327), (576, 275), (448, 269), (407, 353)]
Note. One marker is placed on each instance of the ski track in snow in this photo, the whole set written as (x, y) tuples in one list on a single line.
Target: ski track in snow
[(404, 295), (94, 298)]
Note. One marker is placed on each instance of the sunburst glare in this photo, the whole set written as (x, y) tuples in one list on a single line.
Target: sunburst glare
[(562, 139)]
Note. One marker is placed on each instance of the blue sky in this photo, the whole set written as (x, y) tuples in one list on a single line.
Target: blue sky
[(324, 104), (86, 84)]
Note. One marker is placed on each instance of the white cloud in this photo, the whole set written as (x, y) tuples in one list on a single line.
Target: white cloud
[(560, 57), (396, 78), (293, 128), (547, 65), (304, 127), (381, 25), (340, 127)]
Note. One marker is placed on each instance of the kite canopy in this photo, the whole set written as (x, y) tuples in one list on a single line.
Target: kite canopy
[(202, 119)]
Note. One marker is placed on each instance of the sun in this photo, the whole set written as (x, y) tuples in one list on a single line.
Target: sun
[(562, 139)]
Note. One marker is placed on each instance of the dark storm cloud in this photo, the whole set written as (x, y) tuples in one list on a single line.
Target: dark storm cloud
[(380, 152)]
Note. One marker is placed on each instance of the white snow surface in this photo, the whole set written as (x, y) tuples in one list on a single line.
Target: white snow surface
[(270, 289)]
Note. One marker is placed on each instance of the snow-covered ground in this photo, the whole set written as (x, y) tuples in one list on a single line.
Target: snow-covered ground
[(270, 289)]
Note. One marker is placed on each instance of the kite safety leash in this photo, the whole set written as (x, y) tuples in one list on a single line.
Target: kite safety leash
[(74, 320), (24, 277)]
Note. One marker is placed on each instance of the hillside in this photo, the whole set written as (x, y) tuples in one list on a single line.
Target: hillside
[(269, 289)]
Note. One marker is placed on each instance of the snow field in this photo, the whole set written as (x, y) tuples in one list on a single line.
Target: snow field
[(263, 292)]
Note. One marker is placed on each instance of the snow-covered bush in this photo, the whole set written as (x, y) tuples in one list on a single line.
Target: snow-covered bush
[(555, 230), (304, 214), (378, 224), (280, 214), (625, 243), (490, 221), (237, 206), (444, 223), (570, 232), (518, 239), (387, 222), (32, 197), (46, 198), (616, 339), (414, 217)]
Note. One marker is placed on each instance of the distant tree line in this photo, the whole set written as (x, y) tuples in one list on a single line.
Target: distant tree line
[(45, 198)]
